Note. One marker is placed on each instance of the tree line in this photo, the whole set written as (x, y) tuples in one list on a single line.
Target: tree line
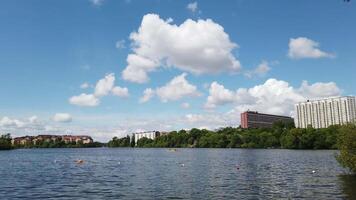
[(281, 135)]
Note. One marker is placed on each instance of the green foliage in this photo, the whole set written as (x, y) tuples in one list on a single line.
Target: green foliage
[(347, 146), (281, 135), (120, 142), (5, 142)]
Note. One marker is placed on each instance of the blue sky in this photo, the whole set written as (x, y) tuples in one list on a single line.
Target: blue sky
[(262, 51)]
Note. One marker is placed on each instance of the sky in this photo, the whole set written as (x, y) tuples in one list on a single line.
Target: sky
[(109, 68)]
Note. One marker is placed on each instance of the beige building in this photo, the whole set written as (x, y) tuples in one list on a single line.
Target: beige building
[(325, 112)]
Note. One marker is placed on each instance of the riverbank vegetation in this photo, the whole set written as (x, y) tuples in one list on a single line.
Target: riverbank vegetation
[(5, 142), (347, 147), (281, 135)]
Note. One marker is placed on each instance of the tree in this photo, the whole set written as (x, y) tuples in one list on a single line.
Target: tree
[(5, 142), (347, 146)]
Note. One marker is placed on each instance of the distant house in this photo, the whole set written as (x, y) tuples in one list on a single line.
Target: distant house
[(33, 140), (25, 140)]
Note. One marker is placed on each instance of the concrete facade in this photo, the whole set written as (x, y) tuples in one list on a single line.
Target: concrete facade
[(325, 112)]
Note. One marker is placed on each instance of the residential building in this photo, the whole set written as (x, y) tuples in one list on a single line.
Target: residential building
[(148, 134), (323, 113), (254, 119), (29, 140)]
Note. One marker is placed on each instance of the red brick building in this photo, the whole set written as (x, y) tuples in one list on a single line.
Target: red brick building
[(251, 119)]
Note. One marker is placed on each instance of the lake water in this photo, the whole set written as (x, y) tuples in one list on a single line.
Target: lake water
[(126, 173)]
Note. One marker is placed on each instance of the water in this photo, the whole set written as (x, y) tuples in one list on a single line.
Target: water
[(161, 174)]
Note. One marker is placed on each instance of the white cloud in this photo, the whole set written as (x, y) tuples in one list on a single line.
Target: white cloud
[(176, 89), (274, 96), (62, 117), (33, 119), (120, 44), (303, 47), (84, 100), (137, 68), (219, 95), (120, 91), (84, 85), (185, 105), (105, 85), (194, 46), (262, 69), (97, 2), (8, 122), (147, 95), (193, 6), (318, 90)]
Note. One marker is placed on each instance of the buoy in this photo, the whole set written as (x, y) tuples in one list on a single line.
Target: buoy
[(313, 171), (182, 164), (237, 167)]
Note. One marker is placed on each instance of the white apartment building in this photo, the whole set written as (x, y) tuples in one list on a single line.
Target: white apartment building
[(325, 112), (149, 134)]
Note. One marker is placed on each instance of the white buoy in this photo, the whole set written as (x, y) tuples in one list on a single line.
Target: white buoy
[(313, 171)]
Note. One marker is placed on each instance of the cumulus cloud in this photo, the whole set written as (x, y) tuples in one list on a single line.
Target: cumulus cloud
[(319, 90), (303, 47), (62, 117), (176, 89), (104, 86), (84, 100), (8, 122), (193, 7), (120, 91), (147, 95), (219, 95), (194, 46), (262, 69), (274, 96)]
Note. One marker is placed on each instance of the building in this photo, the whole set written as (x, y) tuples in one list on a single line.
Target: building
[(251, 119), (34, 140), (148, 134), (325, 112)]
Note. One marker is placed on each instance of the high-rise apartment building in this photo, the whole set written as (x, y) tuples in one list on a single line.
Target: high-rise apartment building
[(325, 112)]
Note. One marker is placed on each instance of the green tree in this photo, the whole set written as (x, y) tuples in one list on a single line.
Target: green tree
[(347, 146), (5, 142)]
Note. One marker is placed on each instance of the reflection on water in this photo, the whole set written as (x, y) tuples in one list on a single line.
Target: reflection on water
[(162, 174), (348, 185)]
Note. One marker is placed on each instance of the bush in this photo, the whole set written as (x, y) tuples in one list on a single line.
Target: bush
[(347, 147)]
